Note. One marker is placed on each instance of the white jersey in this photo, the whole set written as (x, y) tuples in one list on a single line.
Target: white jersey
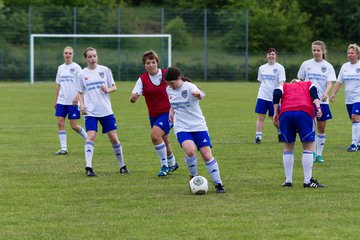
[(188, 116), (97, 102), (270, 76), (319, 73), (350, 75), (67, 77), (156, 80)]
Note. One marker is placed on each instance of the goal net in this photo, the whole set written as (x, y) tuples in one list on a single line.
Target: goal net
[(122, 53)]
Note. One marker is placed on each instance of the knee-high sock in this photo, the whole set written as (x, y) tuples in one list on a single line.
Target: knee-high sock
[(89, 152), (161, 151), (320, 143), (307, 162), (82, 133), (119, 154), (356, 133), (213, 169), (288, 162), (62, 138), (191, 163)]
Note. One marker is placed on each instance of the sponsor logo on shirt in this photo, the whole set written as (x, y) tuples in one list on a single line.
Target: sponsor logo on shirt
[(101, 74), (184, 93), (275, 71), (358, 70), (72, 70), (323, 69)]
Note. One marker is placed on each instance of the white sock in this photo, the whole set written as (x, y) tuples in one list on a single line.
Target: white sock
[(89, 152), (288, 162), (119, 154), (191, 163), (356, 133), (171, 160), (320, 144), (62, 138), (259, 135), (161, 151), (307, 162), (213, 169), (82, 133)]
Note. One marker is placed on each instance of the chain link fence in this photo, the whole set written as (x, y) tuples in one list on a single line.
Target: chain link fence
[(209, 45)]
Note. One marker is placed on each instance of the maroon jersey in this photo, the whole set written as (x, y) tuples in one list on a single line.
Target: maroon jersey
[(156, 97), (296, 97)]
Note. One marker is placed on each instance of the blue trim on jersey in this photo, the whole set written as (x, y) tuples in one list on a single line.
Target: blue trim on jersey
[(293, 122), (108, 123), (70, 110), (162, 122), (201, 139), (263, 106), (353, 109)]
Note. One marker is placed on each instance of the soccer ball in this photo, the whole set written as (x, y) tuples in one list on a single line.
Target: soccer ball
[(198, 185)]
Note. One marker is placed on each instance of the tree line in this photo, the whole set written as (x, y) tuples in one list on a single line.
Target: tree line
[(284, 24)]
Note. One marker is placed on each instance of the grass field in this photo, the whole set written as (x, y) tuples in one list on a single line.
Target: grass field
[(43, 196)]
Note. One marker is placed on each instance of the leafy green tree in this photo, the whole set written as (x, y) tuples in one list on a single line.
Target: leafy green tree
[(180, 37)]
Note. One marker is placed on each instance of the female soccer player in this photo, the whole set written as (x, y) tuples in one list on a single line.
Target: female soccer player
[(95, 84), (350, 75), (66, 99), (321, 73), (152, 86), (190, 125), (297, 116), (270, 76)]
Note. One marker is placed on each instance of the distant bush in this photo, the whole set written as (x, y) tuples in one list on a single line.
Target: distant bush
[(180, 37)]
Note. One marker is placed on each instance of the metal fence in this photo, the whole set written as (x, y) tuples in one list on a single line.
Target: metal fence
[(207, 44)]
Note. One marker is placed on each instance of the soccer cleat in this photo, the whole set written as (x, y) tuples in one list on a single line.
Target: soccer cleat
[(61, 152), (257, 141), (173, 168), (124, 170), (164, 171), (353, 148), (90, 172), (313, 184), (287, 184), (314, 156), (319, 159), (220, 188)]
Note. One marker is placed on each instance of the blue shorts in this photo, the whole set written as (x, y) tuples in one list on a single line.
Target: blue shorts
[(162, 122), (293, 122), (353, 109), (262, 106), (70, 110), (326, 113), (108, 123), (200, 139)]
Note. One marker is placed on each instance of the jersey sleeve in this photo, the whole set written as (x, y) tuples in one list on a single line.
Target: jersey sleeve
[(110, 78), (138, 88), (332, 75), (301, 72)]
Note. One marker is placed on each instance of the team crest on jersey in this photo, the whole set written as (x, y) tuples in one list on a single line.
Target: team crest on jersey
[(72, 70), (323, 69), (184, 93), (101, 74), (275, 71), (358, 70)]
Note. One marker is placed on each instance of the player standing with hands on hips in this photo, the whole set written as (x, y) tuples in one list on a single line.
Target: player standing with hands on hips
[(270, 76), (321, 73), (152, 86), (350, 75), (297, 116), (95, 84), (190, 125), (66, 99)]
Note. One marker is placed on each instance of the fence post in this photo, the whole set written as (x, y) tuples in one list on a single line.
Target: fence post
[(247, 46), (75, 31), (29, 25), (119, 42), (205, 45)]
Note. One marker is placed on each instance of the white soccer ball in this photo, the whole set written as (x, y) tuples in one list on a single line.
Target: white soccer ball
[(198, 185)]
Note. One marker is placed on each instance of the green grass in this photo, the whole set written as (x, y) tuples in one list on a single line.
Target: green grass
[(43, 196)]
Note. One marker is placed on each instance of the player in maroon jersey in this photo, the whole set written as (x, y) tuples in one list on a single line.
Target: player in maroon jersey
[(152, 86)]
